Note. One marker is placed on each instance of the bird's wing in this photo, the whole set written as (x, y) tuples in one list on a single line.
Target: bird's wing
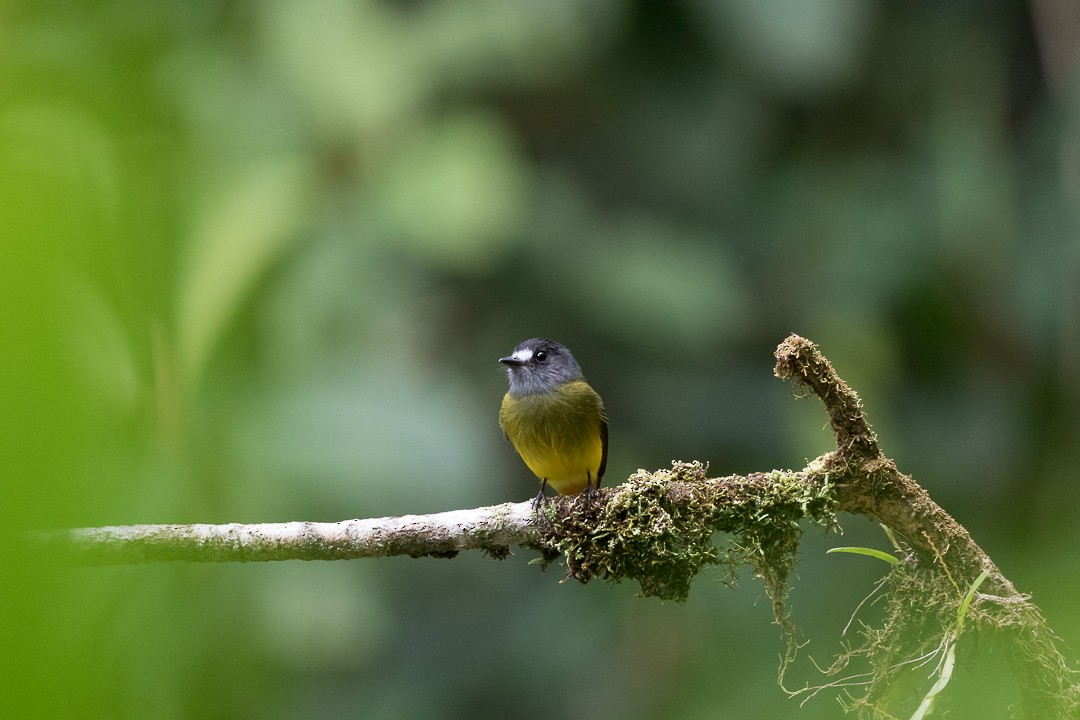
[(603, 451)]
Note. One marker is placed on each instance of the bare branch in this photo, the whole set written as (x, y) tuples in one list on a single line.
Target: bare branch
[(492, 529)]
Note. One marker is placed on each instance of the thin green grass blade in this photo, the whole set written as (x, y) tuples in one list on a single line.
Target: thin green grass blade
[(879, 554), (962, 610)]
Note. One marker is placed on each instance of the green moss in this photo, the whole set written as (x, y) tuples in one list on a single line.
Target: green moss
[(658, 528)]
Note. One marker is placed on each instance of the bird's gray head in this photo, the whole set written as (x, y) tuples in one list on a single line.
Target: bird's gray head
[(538, 366)]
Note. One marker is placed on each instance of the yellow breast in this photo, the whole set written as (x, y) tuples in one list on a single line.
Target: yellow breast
[(558, 434)]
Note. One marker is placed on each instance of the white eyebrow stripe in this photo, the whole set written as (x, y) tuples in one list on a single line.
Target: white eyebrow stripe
[(523, 355)]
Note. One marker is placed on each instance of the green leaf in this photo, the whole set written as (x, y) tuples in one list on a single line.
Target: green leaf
[(879, 554), (961, 612), (241, 231)]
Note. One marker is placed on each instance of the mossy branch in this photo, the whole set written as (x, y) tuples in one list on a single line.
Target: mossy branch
[(927, 588), (658, 528)]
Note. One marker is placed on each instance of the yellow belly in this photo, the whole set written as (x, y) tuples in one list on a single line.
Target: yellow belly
[(558, 435)]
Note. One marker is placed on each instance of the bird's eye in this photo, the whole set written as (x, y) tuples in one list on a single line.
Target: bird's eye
[(540, 356)]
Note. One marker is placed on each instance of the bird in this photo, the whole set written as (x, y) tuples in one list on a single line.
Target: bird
[(554, 419)]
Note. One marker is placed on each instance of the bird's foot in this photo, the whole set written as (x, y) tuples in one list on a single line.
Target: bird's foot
[(538, 501)]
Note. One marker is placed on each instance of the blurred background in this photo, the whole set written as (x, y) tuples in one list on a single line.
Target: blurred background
[(259, 261)]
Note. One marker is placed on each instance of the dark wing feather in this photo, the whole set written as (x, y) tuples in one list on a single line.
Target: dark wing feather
[(603, 454)]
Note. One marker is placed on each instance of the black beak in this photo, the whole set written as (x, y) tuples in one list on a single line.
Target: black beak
[(511, 361)]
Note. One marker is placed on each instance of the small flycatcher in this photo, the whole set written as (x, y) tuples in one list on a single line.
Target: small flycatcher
[(554, 418)]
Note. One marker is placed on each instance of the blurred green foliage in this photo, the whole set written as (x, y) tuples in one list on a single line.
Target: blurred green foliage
[(258, 260)]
